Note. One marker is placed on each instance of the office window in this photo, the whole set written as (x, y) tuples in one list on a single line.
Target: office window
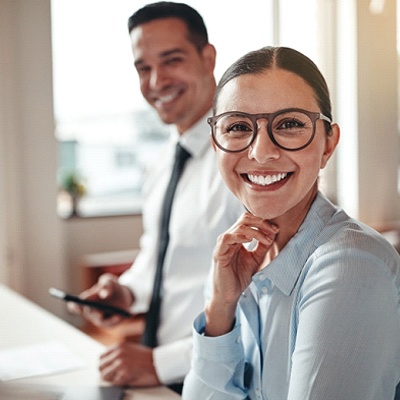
[(107, 134)]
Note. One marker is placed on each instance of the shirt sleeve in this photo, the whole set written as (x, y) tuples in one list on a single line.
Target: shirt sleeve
[(139, 279), (347, 338), (172, 361), (218, 367)]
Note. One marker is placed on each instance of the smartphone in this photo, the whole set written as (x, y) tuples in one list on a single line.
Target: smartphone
[(107, 309)]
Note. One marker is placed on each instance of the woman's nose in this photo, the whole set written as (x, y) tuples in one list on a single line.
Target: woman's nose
[(263, 148)]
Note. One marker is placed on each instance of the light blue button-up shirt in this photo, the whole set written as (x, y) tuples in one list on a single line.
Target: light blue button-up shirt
[(320, 322)]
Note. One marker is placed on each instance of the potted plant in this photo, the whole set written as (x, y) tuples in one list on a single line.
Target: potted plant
[(73, 184)]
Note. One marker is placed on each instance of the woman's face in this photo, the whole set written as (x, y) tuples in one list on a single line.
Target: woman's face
[(272, 182)]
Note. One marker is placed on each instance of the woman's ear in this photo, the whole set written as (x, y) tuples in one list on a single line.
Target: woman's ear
[(331, 142)]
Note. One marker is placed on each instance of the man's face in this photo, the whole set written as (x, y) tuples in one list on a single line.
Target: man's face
[(175, 78)]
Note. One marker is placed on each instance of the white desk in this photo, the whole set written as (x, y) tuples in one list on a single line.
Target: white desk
[(24, 323)]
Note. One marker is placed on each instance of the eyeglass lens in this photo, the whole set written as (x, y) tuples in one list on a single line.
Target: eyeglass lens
[(291, 130)]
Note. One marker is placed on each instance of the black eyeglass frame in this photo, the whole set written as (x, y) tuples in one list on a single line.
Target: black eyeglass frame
[(314, 116)]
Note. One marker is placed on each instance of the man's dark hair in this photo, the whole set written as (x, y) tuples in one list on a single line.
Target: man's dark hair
[(167, 9)]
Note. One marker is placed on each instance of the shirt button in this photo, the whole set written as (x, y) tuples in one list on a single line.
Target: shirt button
[(262, 277), (238, 339), (264, 289)]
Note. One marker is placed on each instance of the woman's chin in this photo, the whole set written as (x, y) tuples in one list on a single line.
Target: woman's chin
[(261, 212)]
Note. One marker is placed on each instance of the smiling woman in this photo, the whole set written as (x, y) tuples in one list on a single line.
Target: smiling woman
[(106, 131), (297, 283)]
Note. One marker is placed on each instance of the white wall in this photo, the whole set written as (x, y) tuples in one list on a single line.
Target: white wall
[(369, 153), (379, 145), (9, 138)]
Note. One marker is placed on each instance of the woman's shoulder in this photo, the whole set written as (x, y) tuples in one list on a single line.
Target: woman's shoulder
[(341, 231)]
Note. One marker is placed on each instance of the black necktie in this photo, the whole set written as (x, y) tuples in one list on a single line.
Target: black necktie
[(153, 315)]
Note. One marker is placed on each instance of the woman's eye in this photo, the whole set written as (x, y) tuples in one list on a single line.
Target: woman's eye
[(290, 123), (239, 127)]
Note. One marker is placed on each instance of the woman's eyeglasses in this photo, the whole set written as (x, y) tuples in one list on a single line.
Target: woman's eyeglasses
[(290, 129)]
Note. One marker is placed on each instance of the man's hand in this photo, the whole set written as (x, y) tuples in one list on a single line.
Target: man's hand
[(129, 364), (106, 290)]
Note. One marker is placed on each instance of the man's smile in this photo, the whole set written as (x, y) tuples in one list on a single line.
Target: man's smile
[(164, 99)]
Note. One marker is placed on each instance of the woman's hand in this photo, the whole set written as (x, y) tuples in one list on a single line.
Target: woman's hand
[(234, 267)]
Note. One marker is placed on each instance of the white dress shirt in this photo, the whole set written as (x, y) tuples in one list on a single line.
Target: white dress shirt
[(320, 322), (202, 209)]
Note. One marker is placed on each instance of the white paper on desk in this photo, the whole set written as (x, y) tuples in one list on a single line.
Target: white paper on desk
[(38, 359)]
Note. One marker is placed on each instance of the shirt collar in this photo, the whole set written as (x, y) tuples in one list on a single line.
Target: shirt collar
[(285, 269), (196, 140)]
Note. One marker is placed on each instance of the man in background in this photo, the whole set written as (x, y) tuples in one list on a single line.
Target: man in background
[(175, 64)]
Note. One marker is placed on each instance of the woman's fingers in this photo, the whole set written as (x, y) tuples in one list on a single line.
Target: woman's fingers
[(245, 230)]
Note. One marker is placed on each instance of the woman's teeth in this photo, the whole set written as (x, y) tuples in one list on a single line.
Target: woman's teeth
[(266, 180)]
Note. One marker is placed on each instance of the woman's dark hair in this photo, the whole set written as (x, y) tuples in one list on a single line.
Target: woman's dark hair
[(166, 9), (284, 58)]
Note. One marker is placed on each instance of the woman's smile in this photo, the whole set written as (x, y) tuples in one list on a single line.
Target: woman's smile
[(270, 181)]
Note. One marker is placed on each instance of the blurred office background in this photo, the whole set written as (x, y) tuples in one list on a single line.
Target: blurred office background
[(70, 104)]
